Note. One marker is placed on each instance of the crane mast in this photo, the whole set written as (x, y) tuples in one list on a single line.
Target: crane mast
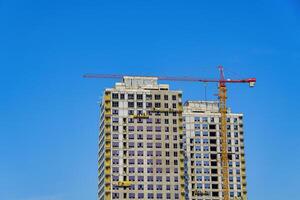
[(223, 134), (222, 109)]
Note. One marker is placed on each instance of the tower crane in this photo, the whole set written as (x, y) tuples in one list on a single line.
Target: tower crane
[(222, 95)]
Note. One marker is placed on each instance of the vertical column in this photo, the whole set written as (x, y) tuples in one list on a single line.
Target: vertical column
[(107, 130)]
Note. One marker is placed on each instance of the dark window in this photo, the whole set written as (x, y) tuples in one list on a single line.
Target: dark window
[(212, 126), (139, 104), (213, 141), (157, 97), (213, 148), (148, 96), (115, 104), (130, 104), (157, 105), (212, 134), (115, 95), (139, 96), (130, 96)]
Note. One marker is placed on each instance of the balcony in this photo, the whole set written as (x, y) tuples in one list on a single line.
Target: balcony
[(107, 97), (107, 145)]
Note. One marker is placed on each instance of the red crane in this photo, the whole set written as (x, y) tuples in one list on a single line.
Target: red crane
[(222, 108)]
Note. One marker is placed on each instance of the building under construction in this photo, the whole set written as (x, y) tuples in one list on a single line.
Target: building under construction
[(147, 150), (140, 141), (202, 146)]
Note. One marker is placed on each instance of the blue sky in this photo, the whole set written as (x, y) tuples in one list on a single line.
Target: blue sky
[(49, 114)]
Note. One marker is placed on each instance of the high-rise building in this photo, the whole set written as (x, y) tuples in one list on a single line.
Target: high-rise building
[(140, 141), (203, 174)]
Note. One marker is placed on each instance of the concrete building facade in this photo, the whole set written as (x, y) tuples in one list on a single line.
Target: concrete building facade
[(203, 177), (140, 141)]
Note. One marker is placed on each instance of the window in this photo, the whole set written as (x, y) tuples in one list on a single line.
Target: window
[(140, 153), (149, 120), (131, 153), (158, 145), (115, 170), (159, 179), (158, 137), (158, 153), (115, 95), (130, 96), (115, 128), (174, 97), (149, 129), (166, 97), (115, 144), (131, 144), (131, 170), (130, 112), (131, 161), (149, 153), (197, 126), (141, 195), (148, 96), (158, 129), (148, 104), (122, 96), (131, 195), (159, 195), (157, 97), (115, 136), (130, 128), (149, 137), (174, 137), (139, 104), (150, 187), (130, 104), (131, 178), (115, 161), (115, 120), (140, 161), (115, 104), (139, 96)]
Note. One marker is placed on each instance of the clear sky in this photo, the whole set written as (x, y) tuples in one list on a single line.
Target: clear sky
[(49, 114)]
